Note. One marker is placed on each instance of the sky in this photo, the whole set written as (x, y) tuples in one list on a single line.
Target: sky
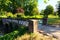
[(42, 5)]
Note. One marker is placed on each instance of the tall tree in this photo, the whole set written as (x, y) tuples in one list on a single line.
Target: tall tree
[(58, 8), (49, 10), (12, 5), (42, 12), (31, 7)]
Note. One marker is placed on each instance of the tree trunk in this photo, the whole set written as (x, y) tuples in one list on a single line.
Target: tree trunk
[(45, 19)]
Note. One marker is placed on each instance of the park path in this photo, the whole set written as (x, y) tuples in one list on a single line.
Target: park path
[(51, 30)]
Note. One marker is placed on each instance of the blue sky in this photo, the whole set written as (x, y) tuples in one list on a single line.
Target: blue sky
[(42, 5)]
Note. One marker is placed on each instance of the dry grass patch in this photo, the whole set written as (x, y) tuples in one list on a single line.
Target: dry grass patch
[(35, 36)]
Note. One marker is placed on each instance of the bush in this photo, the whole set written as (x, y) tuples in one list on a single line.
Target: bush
[(9, 14), (19, 16), (11, 36), (2, 12)]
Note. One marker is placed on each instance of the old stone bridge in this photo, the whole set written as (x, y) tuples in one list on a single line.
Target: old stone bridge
[(32, 24)]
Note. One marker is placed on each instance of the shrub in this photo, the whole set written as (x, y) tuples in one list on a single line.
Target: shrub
[(2, 12), (11, 36), (9, 14), (19, 16)]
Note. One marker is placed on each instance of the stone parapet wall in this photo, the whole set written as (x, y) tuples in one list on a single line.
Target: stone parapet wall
[(32, 24)]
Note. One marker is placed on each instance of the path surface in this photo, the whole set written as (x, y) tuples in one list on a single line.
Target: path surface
[(51, 30)]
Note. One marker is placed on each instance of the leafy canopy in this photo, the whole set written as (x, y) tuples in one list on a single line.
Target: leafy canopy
[(49, 10)]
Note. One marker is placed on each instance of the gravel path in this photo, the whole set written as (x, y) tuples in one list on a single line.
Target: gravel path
[(51, 30)]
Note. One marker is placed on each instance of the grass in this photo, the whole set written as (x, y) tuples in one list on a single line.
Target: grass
[(53, 16), (53, 20)]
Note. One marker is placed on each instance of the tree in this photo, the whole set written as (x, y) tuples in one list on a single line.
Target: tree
[(42, 12), (12, 5), (31, 7), (55, 13), (5, 5), (45, 1), (49, 10), (58, 8)]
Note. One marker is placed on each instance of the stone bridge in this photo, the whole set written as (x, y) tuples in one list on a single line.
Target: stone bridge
[(32, 24)]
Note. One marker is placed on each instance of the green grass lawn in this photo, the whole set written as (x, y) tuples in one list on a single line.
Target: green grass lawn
[(53, 16), (53, 21)]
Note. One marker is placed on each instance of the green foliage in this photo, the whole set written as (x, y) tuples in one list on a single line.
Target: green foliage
[(58, 8), (45, 1), (49, 10), (55, 13), (10, 36), (22, 30), (42, 12), (18, 16), (30, 6), (2, 12), (5, 5), (9, 14), (10, 5), (53, 20)]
